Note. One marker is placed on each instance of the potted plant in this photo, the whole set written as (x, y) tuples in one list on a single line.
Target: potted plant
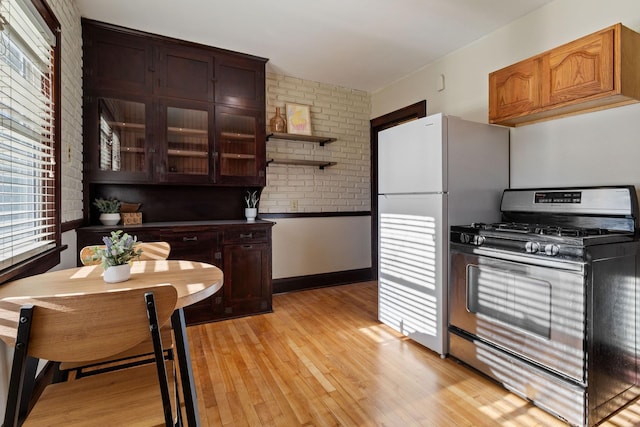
[(115, 256), (251, 202), (109, 210)]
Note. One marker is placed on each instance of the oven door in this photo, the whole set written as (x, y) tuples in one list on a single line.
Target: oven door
[(530, 307)]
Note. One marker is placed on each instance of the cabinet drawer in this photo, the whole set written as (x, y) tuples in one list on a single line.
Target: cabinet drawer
[(193, 245), (246, 236)]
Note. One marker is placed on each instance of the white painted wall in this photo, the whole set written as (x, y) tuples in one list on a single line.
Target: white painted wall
[(305, 246), (589, 149), (311, 245)]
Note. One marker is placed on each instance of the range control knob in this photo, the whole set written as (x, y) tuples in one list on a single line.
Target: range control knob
[(464, 238), (551, 249), (477, 240), (532, 247)]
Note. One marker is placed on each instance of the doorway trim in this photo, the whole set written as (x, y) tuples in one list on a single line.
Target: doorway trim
[(394, 118)]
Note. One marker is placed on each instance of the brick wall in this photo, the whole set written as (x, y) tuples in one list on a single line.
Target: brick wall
[(71, 103), (335, 112)]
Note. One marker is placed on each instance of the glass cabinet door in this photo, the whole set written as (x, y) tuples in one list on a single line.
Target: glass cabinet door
[(187, 133), (121, 152), (240, 141)]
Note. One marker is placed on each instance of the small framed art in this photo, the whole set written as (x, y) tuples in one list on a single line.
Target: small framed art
[(298, 119)]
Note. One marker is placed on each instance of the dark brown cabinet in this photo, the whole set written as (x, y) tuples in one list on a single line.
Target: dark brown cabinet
[(179, 128), (240, 152), (240, 82), (185, 73), (122, 149), (185, 145), (242, 250), (105, 53), (249, 289), (158, 111), (202, 245)]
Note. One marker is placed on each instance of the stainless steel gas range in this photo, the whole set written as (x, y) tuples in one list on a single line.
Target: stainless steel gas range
[(545, 301)]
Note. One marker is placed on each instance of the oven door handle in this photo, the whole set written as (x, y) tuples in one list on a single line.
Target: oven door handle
[(519, 258)]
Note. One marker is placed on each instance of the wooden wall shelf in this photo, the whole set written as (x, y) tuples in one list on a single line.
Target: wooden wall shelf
[(322, 140), (315, 163)]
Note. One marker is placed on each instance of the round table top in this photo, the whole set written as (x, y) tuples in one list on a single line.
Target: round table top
[(194, 281)]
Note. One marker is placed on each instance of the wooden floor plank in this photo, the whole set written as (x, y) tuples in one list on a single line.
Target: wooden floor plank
[(323, 359)]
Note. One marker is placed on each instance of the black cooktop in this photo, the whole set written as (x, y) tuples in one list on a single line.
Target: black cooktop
[(540, 229)]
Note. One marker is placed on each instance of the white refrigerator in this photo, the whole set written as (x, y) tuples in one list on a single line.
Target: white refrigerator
[(433, 172)]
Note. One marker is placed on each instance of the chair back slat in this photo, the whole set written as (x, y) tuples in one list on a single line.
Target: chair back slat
[(150, 251), (75, 328), (154, 250)]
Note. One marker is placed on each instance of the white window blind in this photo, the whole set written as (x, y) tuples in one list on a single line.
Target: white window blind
[(27, 158)]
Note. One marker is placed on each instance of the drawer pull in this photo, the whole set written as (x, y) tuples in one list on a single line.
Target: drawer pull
[(190, 239), (246, 236), (247, 246)]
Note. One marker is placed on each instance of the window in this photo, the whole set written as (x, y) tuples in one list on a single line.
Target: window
[(29, 171)]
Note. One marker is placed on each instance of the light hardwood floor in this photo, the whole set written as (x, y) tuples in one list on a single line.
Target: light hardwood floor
[(322, 359)]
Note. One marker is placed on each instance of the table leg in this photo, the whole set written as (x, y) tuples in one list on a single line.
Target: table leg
[(186, 371)]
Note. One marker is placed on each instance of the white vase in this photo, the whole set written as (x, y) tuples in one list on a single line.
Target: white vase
[(109, 218), (251, 213), (117, 273)]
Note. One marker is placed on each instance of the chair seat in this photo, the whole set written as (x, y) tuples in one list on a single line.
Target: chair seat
[(98, 400)]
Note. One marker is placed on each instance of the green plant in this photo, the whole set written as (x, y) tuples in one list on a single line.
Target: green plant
[(110, 205), (251, 199), (119, 249)]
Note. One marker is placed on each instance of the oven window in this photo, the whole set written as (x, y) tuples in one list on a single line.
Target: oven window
[(513, 299)]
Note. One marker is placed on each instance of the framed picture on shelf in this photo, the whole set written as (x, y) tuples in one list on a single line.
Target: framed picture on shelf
[(298, 119)]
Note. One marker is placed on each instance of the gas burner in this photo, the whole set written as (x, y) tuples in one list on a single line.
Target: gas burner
[(540, 229), (512, 226), (552, 230), (479, 225)]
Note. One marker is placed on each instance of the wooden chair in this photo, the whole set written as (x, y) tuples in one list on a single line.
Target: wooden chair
[(90, 327), (150, 251), (140, 354)]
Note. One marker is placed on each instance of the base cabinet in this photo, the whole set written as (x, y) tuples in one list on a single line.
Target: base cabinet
[(201, 245), (249, 289), (241, 250)]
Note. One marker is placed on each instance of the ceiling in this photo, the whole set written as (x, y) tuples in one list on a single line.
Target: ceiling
[(358, 44)]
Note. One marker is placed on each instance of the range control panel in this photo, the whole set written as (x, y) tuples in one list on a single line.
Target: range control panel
[(557, 197)]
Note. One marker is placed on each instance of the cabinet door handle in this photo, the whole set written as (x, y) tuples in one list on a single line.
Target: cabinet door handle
[(247, 246), (190, 239), (246, 236)]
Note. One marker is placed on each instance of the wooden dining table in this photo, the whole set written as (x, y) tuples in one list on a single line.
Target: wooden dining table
[(194, 281)]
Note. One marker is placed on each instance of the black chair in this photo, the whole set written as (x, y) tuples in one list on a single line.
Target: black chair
[(79, 328)]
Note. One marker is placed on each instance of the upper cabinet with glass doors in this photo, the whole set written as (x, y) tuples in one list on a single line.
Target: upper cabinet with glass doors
[(120, 150), (240, 155), (186, 132), (158, 110)]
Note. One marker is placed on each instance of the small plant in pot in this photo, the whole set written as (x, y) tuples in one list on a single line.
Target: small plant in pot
[(115, 256), (109, 210), (251, 203)]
